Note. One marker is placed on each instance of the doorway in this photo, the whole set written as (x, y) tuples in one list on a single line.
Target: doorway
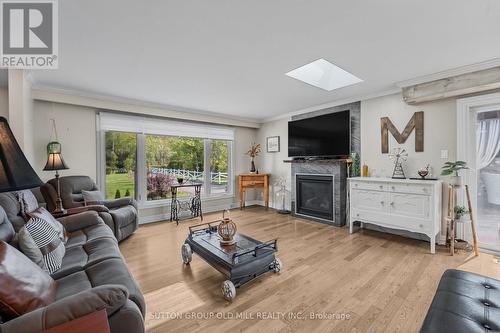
[(478, 143)]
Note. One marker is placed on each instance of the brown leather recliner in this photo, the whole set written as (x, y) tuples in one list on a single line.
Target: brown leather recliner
[(121, 214)]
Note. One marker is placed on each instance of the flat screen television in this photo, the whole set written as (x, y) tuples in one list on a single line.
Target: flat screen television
[(327, 136)]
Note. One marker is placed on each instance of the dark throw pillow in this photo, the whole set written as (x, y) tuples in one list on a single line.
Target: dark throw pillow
[(25, 286)]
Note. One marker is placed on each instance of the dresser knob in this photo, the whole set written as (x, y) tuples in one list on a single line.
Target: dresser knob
[(381, 202), (392, 203), (381, 187)]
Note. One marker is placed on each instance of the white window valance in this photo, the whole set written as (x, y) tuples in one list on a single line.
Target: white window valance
[(109, 121)]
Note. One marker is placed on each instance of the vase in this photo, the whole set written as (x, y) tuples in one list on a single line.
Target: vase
[(455, 181), (252, 166)]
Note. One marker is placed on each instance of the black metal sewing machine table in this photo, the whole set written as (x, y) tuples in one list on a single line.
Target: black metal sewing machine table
[(240, 263), (192, 203)]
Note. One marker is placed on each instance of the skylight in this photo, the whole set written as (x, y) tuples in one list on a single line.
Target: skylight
[(324, 75)]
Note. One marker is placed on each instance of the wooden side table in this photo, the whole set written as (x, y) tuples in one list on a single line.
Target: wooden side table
[(254, 180)]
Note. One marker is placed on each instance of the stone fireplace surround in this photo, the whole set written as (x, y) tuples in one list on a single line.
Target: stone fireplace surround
[(337, 168)]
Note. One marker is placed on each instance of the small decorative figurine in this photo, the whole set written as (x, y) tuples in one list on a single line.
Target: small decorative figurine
[(227, 230), (424, 172), (398, 155)]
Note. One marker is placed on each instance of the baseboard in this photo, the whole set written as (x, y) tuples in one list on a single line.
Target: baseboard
[(208, 209)]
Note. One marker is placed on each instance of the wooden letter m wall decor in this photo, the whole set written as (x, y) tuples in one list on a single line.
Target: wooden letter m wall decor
[(416, 122)]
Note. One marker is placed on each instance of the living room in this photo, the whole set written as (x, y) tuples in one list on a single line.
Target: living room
[(281, 166)]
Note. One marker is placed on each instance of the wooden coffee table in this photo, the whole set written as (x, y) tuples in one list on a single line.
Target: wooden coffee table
[(241, 262)]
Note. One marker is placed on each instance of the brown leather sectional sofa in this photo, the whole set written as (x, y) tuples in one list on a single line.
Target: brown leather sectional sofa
[(93, 275)]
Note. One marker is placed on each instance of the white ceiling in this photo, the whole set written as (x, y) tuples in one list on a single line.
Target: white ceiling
[(231, 56)]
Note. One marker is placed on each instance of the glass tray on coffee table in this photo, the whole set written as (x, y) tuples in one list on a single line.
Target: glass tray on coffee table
[(241, 262)]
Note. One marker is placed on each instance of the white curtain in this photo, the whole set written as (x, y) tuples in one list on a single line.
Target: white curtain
[(488, 141)]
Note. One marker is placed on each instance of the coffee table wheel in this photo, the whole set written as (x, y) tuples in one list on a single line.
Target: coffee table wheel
[(278, 265), (186, 253), (228, 290)]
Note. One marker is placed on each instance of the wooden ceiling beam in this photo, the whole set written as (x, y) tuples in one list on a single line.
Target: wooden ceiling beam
[(464, 84)]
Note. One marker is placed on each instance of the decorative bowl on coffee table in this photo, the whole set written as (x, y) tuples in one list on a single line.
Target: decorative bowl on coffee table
[(240, 263)]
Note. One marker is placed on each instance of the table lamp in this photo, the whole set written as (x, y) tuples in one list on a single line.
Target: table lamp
[(15, 171), (55, 163)]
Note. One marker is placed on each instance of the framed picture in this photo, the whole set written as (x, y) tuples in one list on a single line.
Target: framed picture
[(273, 144)]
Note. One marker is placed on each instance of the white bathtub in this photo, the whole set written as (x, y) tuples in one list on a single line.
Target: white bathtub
[(492, 182)]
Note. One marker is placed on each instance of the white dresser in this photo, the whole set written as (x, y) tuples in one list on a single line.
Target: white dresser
[(413, 205)]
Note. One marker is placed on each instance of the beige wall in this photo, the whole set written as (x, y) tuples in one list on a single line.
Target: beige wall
[(4, 103), (439, 134), (77, 135), (273, 162), (20, 109)]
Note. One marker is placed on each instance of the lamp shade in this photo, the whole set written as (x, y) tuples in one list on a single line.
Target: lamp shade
[(15, 171), (55, 162)]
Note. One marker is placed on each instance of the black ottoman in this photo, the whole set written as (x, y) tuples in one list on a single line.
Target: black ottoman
[(464, 303)]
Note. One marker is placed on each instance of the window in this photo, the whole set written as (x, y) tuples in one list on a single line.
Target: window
[(169, 159), (219, 166), (120, 164), (142, 157)]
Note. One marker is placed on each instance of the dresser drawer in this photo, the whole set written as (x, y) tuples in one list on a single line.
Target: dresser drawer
[(370, 200), (376, 186), (389, 221), (362, 215), (248, 183), (253, 178), (410, 205), (411, 188)]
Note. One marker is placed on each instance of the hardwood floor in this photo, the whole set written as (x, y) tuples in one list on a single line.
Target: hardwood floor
[(381, 282)]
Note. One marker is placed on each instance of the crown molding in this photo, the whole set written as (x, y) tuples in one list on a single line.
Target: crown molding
[(450, 73), (50, 94), (356, 98)]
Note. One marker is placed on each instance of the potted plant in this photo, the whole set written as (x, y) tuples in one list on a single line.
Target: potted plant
[(253, 152), (451, 169), (460, 212)]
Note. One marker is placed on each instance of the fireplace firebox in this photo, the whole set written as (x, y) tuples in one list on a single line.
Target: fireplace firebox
[(315, 196)]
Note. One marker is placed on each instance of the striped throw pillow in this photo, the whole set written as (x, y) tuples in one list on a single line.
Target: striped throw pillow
[(40, 241), (44, 214)]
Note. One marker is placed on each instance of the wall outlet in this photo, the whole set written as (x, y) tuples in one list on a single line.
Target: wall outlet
[(444, 153)]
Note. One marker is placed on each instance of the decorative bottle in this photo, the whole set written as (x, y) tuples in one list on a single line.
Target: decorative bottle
[(365, 170)]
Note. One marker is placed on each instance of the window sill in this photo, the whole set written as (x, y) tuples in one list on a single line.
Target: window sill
[(166, 202)]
